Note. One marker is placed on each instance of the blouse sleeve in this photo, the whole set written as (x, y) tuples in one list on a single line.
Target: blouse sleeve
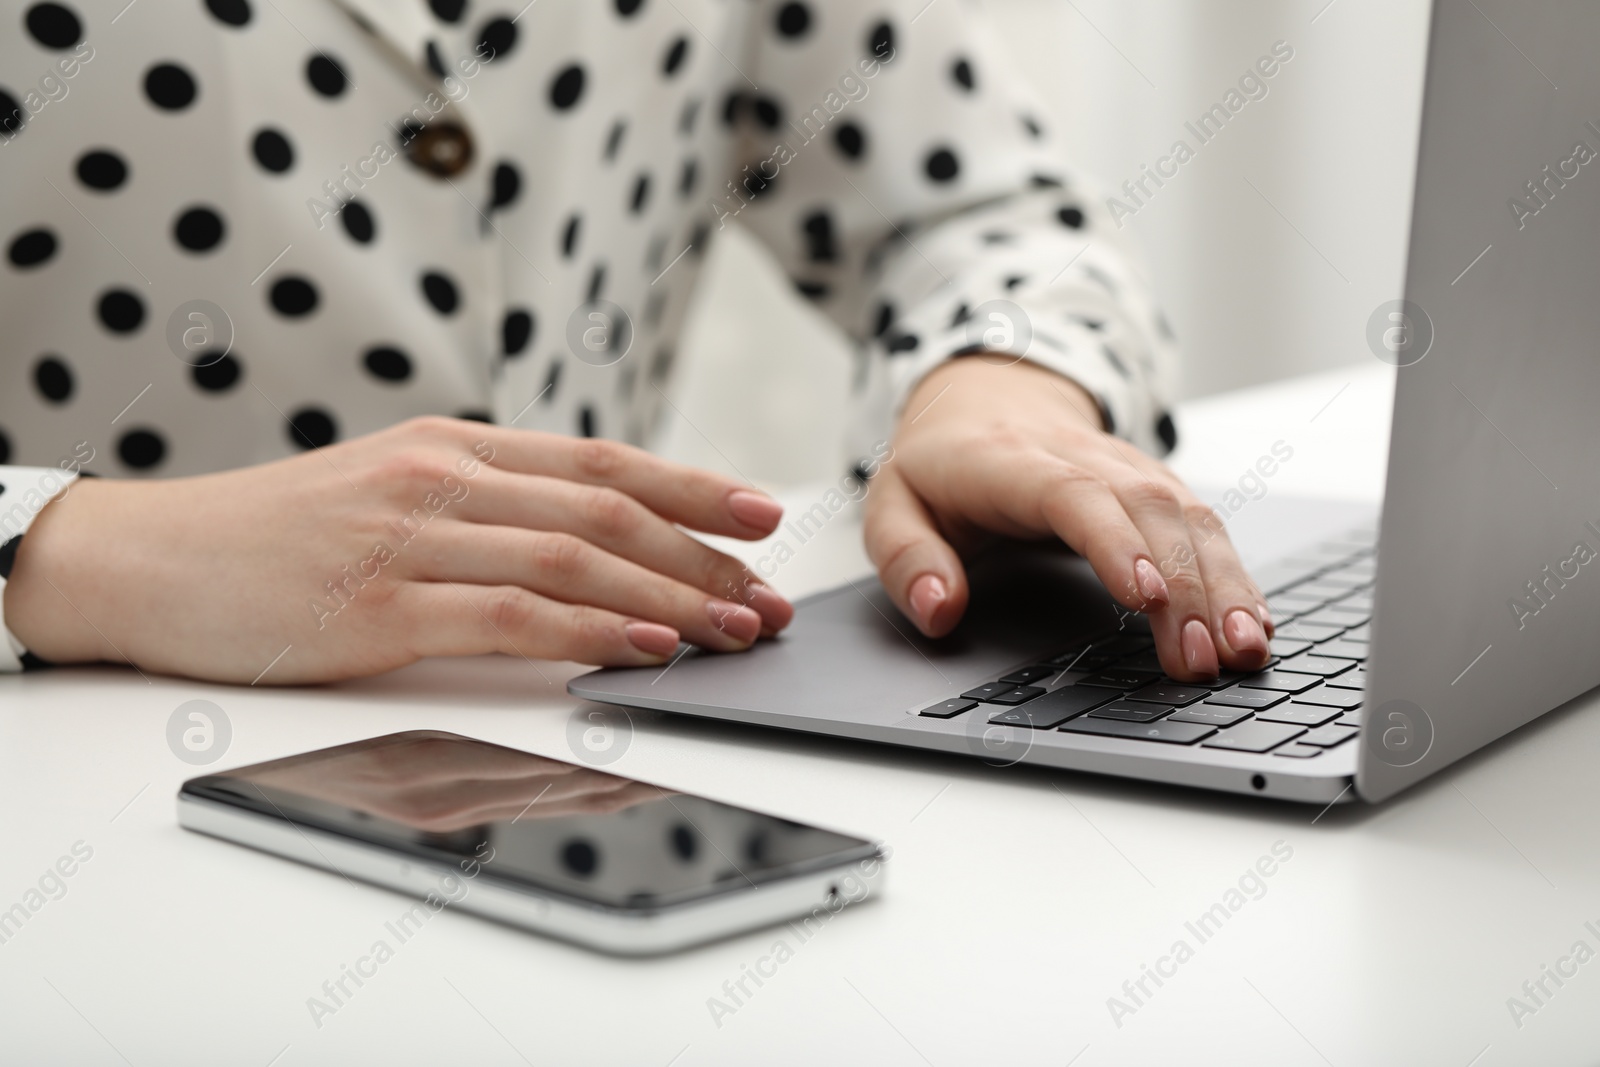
[(902, 177), (24, 492)]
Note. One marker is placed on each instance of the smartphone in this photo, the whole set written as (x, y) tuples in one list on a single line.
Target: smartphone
[(550, 846)]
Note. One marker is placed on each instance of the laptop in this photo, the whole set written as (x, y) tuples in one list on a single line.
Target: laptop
[(1407, 639)]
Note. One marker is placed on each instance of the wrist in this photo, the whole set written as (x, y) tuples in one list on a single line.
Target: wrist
[(976, 376), (51, 566)]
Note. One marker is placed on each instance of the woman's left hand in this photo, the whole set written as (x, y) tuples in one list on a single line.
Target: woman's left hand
[(1020, 451)]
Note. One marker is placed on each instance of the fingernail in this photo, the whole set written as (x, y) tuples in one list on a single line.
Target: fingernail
[(652, 637), (1199, 652), (775, 610), (739, 623), (927, 593), (1266, 619), (756, 510), (1244, 632), (1151, 585)]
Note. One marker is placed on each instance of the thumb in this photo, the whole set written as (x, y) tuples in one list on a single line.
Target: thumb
[(920, 571)]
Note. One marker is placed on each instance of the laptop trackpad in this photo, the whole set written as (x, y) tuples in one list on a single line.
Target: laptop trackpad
[(850, 654), (851, 657)]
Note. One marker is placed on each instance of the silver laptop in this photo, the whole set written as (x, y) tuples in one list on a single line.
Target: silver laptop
[(1481, 609)]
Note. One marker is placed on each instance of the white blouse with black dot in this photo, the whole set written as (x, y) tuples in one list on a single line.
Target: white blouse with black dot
[(235, 229)]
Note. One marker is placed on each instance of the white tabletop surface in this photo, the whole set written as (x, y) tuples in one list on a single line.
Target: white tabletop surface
[(1018, 901)]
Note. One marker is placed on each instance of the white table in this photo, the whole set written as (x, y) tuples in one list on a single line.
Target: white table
[(1017, 903)]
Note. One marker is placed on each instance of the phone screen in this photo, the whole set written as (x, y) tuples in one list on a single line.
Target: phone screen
[(498, 813)]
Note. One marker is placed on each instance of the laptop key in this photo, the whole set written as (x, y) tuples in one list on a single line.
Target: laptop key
[(1028, 675), (1121, 679), (1355, 575), (1017, 695), (1329, 736), (948, 709), (1076, 652), (1224, 680), (1212, 715), (1359, 633), (1287, 646), (1024, 716), (987, 691), (1329, 697), (1140, 661), (1170, 694), (1310, 631), (1123, 645), (1327, 589), (1299, 751), (1055, 708), (1130, 712), (1342, 649), (1332, 615), (1299, 714), (1351, 718), (1321, 666), (1283, 680), (1356, 679), (1253, 699), (1255, 736), (1229, 679), (1167, 731), (1088, 662)]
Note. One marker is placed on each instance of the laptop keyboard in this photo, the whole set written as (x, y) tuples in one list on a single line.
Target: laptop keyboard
[(1306, 701)]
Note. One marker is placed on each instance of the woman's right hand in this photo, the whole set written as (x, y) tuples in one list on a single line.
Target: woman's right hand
[(437, 537)]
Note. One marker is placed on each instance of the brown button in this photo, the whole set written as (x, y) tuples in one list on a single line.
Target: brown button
[(443, 149)]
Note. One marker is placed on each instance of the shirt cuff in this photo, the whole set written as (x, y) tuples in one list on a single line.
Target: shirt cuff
[(24, 491)]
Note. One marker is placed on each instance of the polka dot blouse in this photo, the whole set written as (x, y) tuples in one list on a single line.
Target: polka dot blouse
[(235, 229)]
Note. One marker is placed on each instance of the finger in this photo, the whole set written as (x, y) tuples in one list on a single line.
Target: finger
[(699, 499), (1134, 537), (1028, 492), (920, 571), (570, 569), (624, 527), (1204, 524), (1231, 596), (1182, 629), (1083, 510), (457, 619)]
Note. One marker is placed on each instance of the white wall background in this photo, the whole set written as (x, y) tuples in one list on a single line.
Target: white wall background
[(1269, 249)]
